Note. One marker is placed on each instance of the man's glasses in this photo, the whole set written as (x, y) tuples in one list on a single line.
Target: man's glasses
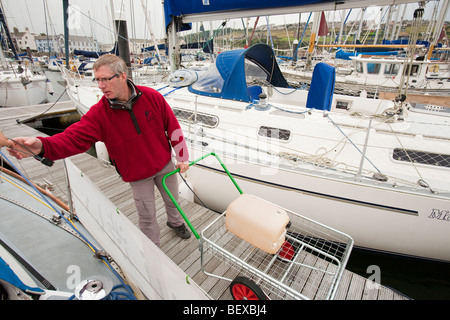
[(95, 80)]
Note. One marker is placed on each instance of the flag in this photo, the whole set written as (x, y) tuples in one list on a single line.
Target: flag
[(443, 34), (323, 28)]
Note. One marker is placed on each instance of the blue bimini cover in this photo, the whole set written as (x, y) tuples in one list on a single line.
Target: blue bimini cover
[(321, 90), (226, 79)]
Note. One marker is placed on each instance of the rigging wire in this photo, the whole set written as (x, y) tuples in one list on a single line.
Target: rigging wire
[(211, 39), (68, 222)]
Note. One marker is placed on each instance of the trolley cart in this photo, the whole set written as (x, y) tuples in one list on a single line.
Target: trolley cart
[(308, 263)]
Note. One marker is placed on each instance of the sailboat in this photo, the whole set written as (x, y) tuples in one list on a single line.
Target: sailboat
[(20, 83), (371, 168), (45, 254), (317, 160), (387, 72)]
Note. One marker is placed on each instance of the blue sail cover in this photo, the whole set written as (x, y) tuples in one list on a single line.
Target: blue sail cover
[(207, 47), (96, 54), (344, 55), (177, 9), (227, 78), (321, 90), (406, 41)]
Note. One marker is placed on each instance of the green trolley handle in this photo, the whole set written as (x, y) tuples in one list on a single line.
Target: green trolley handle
[(175, 201)]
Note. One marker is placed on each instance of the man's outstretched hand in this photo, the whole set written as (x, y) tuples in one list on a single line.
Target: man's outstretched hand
[(5, 142), (24, 147)]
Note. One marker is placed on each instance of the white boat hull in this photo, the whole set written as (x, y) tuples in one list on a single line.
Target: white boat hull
[(311, 162), (13, 93), (378, 216)]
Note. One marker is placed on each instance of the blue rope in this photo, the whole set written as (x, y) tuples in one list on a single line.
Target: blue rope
[(171, 91), (161, 88), (260, 108), (65, 219), (301, 39), (268, 29)]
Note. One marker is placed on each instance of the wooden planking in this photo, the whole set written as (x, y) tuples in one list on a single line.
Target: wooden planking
[(23, 113), (427, 99), (185, 253)]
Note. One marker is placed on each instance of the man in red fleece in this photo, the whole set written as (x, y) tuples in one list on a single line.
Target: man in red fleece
[(139, 130)]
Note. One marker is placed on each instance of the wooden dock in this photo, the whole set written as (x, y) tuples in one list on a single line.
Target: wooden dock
[(185, 253)]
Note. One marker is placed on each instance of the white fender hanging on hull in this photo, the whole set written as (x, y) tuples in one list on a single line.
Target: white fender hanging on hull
[(102, 152)]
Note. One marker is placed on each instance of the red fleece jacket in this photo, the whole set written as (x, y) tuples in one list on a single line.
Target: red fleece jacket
[(136, 155)]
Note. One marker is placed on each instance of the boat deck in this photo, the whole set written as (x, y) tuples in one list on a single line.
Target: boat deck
[(185, 253)]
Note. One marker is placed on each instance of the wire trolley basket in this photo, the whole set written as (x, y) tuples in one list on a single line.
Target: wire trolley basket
[(308, 263)]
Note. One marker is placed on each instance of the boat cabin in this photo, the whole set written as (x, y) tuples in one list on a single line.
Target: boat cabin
[(377, 68)]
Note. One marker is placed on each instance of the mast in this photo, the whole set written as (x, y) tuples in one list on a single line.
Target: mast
[(46, 29), (341, 29), (253, 32), (312, 40), (113, 14), (245, 25), (439, 26), (387, 25), (358, 35), (300, 41), (382, 12), (152, 36), (8, 35), (400, 23), (174, 49), (122, 40), (66, 30)]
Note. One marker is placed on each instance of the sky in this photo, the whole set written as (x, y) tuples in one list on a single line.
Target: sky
[(93, 18)]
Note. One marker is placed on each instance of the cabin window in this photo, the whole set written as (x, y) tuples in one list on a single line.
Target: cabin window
[(422, 157), (391, 69), (414, 70), (254, 73), (373, 68), (274, 133), (342, 105), (188, 116)]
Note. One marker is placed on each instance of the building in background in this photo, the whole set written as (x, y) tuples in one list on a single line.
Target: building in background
[(45, 44), (24, 39)]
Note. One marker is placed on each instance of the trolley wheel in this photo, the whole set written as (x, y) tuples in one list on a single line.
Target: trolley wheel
[(243, 288)]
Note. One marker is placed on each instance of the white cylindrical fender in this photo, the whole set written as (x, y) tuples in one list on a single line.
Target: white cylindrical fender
[(102, 152), (49, 87)]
